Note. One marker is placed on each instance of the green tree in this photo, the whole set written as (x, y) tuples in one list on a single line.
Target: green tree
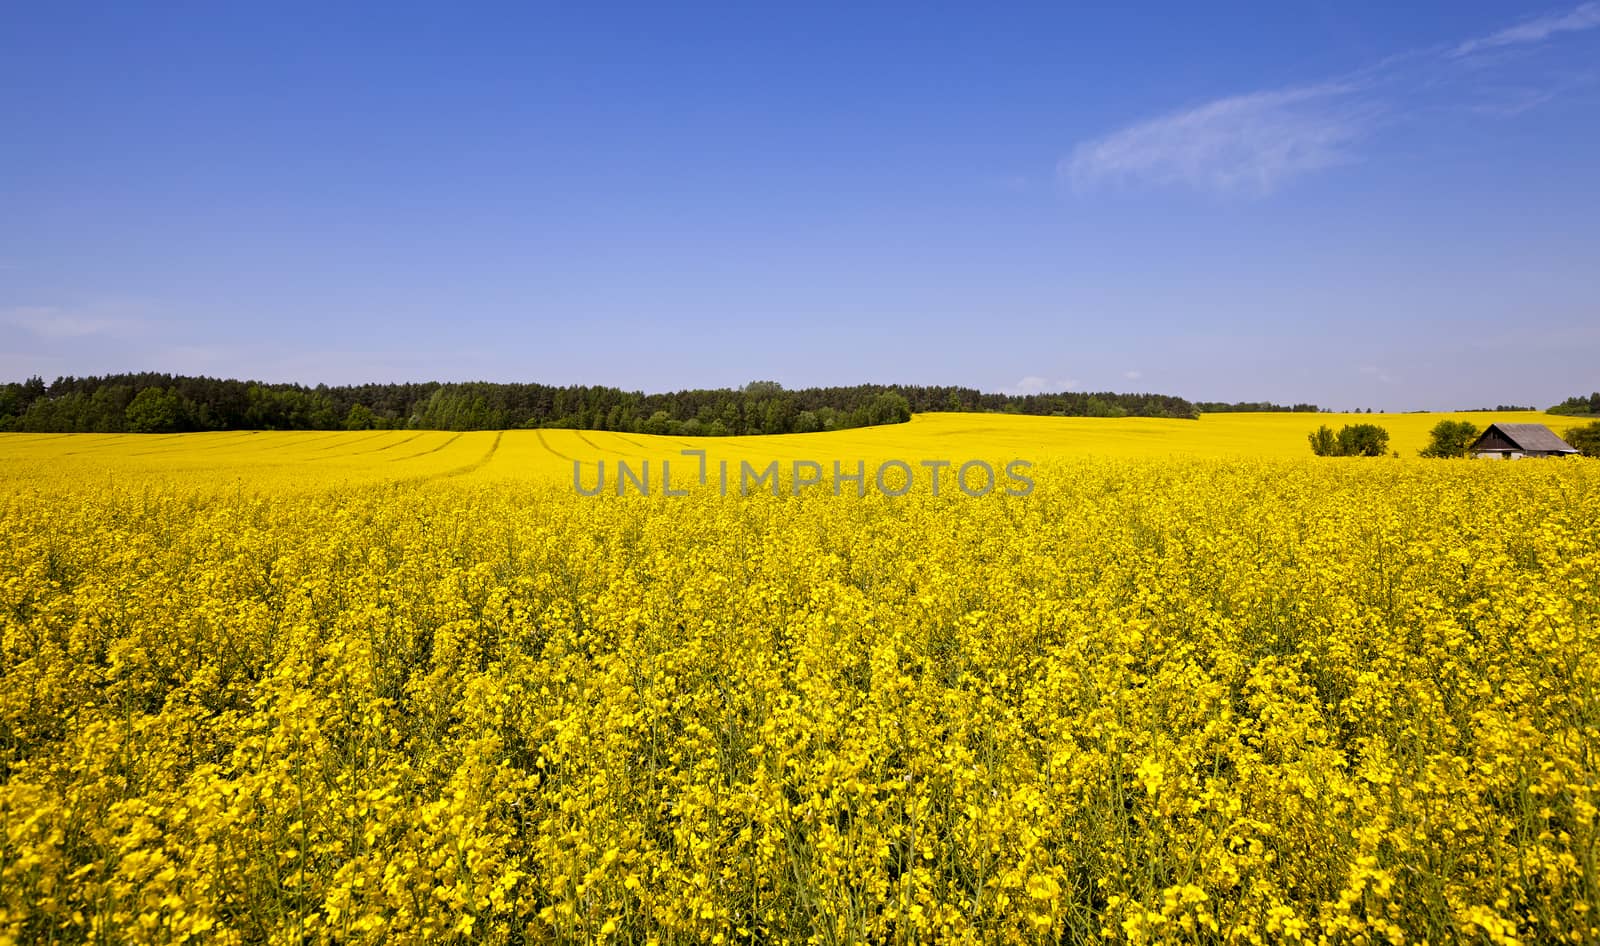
[(763, 389), (359, 418), (888, 407), (155, 411), (1352, 440), (659, 423), (777, 416), (1098, 407), (107, 409), (1363, 440), (1585, 438), (1450, 438), (1578, 404)]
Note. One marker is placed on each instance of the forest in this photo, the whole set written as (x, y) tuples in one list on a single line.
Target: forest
[(1579, 405), (164, 403), (1254, 407)]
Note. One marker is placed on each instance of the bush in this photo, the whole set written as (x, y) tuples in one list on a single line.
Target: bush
[(1585, 438), (1363, 440), (1352, 440), (1450, 438)]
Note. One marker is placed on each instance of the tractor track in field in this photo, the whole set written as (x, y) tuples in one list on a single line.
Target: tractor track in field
[(472, 467), (390, 446), (90, 449), (629, 441), (243, 437), (585, 438), (412, 456), (161, 449), (33, 438), (330, 446), (546, 444)]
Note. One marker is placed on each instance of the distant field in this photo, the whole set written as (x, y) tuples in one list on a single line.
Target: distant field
[(1198, 686), (318, 457)]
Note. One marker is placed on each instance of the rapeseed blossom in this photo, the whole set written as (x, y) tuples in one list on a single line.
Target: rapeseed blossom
[(1160, 699)]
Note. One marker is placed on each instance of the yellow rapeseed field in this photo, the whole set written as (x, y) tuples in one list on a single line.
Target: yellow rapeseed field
[(402, 686)]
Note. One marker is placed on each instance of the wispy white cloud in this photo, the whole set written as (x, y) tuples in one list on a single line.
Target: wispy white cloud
[(1038, 384), (1375, 372), (1133, 375), (50, 322), (1510, 103), (1583, 17), (1253, 144), (1245, 144)]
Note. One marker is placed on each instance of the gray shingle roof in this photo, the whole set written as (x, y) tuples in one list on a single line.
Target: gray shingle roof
[(1533, 437)]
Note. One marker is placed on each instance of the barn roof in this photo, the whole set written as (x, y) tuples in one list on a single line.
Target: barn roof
[(1531, 437)]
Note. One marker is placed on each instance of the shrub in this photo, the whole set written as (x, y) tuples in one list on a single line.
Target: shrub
[(1450, 438), (1585, 438), (1352, 440)]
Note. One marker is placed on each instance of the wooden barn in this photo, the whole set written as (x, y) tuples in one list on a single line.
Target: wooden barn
[(1515, 441)]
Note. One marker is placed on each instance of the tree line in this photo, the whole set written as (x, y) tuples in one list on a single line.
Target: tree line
[(1578, 404), (164, 403), (1255, 407)]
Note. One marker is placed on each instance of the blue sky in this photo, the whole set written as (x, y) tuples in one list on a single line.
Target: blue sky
[(1337, 202)]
